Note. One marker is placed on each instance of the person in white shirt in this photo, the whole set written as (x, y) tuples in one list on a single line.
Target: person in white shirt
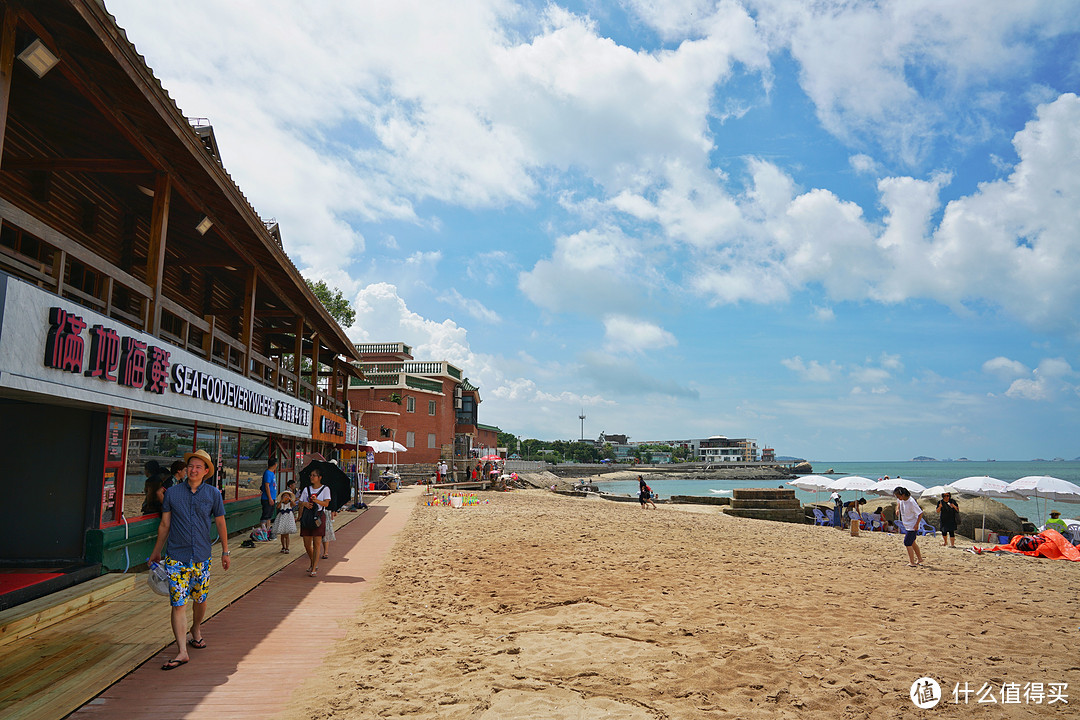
[(910, 515)]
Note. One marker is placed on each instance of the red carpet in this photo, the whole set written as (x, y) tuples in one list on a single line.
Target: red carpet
[(10, 581)]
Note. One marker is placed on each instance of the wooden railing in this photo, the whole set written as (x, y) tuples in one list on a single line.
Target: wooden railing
[(183, 328)]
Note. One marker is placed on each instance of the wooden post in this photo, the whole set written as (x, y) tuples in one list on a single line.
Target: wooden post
[(315, 366), (247, 331), (298, 354), (7, 66), (208, 338), (155, 259)]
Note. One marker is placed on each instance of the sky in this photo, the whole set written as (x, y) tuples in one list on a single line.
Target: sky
[(848, 230)]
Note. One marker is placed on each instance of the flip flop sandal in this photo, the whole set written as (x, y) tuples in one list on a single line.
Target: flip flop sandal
[(325, 557), (197, 644), (173, 664)]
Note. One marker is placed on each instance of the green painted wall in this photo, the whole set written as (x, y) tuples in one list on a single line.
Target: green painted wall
[(107, 546)]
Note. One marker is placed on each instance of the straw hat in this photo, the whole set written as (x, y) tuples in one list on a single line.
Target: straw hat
[(202, 455), (283, 493)]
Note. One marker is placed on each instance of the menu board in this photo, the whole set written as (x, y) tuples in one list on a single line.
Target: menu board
[(114, 443), (108, 497)]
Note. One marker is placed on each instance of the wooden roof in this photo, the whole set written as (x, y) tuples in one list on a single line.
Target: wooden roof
[(107, 115)]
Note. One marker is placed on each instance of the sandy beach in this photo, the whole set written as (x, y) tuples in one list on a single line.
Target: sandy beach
[(542, 606)]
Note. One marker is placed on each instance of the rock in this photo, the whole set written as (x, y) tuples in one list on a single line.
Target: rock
[(803, 468), (1000, 518)]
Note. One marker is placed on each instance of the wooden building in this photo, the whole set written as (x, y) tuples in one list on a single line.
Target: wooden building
[(145, 307)]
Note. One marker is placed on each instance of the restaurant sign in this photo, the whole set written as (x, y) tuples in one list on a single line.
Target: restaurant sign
[(83, 355), (328, 427)]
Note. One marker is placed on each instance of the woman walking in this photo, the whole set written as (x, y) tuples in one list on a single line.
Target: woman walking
[(313, 501)]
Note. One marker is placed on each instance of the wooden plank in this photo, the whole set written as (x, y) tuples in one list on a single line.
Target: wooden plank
[(103, 165), (155, 261), (27, 618), (7, 67), (59, 241)]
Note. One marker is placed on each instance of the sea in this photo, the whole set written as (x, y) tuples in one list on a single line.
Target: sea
[(927, 473)]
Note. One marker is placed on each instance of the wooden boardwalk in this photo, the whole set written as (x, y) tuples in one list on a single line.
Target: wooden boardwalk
[(256, 635)]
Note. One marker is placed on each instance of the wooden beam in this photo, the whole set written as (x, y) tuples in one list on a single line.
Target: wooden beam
[(102, 165), (298, 350), (155, 261), (315, 362), (7, 67), (247, 330)]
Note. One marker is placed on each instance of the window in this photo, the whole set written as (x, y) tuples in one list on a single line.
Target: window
[(151, 441), (410, 439), (431, 407), (410, 404), (431, 441)]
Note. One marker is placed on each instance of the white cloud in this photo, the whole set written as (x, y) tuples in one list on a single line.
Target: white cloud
[(812, 371), (624, 334), (473, 307), (862, 163), (1047, 381), (1005, 368), (594, 271), (856, 61)]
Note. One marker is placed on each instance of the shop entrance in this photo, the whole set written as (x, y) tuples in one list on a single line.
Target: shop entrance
[(46, 452)]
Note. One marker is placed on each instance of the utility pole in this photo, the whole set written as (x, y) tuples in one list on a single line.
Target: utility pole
[(582, 418)]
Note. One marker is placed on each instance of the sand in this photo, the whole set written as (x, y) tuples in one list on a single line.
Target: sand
[(543, 606)]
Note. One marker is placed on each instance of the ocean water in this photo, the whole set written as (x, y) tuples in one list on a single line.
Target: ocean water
[(924, 473)]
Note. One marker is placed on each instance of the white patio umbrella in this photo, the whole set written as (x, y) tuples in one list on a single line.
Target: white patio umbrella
[(1047, 488), (886, 487), (857, 483), (985, 486), (936, 491), (810, 483)]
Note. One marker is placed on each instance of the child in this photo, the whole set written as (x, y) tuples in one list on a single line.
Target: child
[(285, 522), (328, 535), (910, 514)]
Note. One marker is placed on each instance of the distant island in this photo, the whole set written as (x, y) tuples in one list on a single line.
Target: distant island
[(789, 459), (923, 458)]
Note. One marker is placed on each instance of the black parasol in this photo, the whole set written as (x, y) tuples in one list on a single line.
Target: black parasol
[(334, 478)]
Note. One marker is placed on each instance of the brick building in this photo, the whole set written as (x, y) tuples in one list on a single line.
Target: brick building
[(430, 407)]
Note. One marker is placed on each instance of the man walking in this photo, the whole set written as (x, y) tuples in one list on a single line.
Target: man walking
[(267, 495), (189, 510), (442, 471)]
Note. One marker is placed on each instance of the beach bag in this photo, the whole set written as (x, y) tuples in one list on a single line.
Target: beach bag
[(158, 579), (311, 519)]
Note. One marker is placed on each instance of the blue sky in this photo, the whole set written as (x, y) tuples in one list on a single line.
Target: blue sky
[(850, 231)]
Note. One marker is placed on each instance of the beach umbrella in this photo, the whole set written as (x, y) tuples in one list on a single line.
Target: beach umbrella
[(1046, 487), (886, 487), (810, 483), (936, 491), (491, 457), (858, 483), (985, 486)]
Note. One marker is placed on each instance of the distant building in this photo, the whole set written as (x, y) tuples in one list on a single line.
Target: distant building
[(720, 449), (768, 455)]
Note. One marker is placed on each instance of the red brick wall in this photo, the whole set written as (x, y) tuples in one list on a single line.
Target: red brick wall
[(486, 438), (418, 422)]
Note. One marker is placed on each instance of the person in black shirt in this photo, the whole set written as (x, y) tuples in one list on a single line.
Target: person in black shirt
[(949, 512)]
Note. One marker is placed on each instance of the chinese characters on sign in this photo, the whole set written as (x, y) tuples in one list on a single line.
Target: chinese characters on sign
[(136, 364), (111, 359)]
